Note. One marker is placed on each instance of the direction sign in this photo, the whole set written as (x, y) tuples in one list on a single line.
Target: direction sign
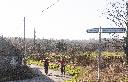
[(107, 30), (113, 30), (94, 30)]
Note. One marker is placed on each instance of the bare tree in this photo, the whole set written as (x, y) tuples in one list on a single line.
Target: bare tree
[(117, 12)]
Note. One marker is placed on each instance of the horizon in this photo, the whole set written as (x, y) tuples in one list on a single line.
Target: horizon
[(62, 38)]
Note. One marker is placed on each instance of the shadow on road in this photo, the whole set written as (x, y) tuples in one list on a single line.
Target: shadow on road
[(38, 77)]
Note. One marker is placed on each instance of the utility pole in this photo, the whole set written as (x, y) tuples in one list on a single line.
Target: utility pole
[(2, 44), (34, 39), (24, 39), (24, 44)]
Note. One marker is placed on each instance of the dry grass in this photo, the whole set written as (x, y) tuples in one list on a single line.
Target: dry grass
[(115, 71)]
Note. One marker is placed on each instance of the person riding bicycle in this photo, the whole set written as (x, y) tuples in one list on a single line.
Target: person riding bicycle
[(62, 66), (46, 64)]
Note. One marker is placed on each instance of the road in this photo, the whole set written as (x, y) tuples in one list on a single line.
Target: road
[(53, 76)]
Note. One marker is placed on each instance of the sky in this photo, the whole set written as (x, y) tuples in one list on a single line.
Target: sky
[(66, 19)]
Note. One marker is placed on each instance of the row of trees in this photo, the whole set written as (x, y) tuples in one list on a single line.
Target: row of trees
[(71, 46), (75, 50)]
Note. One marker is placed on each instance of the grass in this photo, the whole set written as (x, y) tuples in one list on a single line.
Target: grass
[(39, 63), (103, 53), (106, 53), (53, 66)]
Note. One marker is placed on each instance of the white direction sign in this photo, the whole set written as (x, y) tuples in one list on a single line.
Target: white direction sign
[(94, 30), (113, 30), (107, 30)]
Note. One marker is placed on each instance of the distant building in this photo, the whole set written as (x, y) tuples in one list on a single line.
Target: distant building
[(10, 56)]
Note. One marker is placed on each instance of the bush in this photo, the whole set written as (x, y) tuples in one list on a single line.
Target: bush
[(53, 66), (73, 71), (30, 61), (18, 73)]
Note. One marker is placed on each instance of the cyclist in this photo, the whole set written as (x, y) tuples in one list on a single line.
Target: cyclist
[(46, 64), (62, 64)]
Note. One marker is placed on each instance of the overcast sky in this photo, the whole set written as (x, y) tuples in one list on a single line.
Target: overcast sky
[(66, 19)]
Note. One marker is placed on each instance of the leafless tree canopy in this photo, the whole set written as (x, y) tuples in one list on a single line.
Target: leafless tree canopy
[(116, 12)]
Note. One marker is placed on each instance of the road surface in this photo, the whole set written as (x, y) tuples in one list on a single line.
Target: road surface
[(53, 76)]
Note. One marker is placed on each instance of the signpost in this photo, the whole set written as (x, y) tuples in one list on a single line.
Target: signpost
[(107, 30), (104, 30)]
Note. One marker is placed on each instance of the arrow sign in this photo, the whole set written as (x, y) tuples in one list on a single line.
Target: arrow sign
[(94, 30), (107, 30), (113, 30)]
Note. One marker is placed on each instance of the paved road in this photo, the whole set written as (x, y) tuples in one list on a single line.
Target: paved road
[(53, 76)]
